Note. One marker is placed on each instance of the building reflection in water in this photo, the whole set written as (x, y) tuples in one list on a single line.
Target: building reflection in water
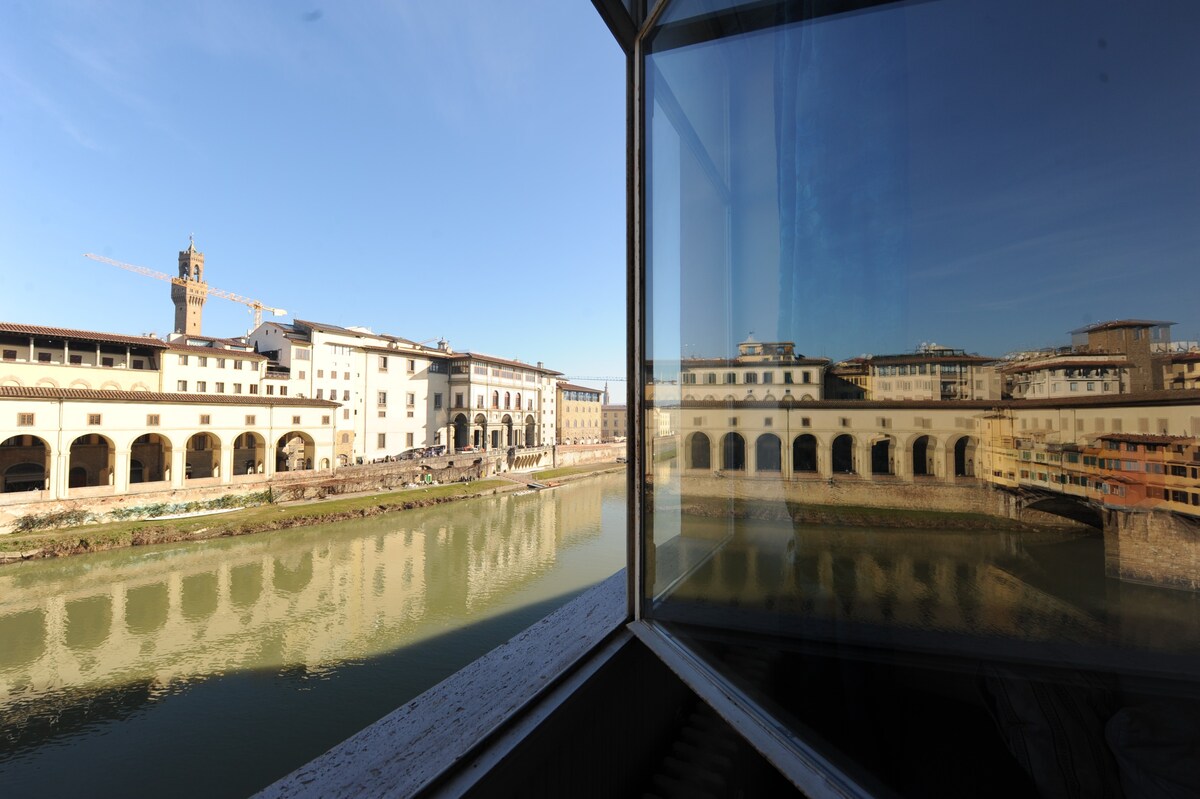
[(310, 599)]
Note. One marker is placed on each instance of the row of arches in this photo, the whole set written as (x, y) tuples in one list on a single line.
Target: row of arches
[(91, 459), (508, 433), (843, 455), (49, 382)]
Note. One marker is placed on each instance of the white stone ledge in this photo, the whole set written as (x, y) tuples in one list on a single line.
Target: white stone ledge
[(408, 749)]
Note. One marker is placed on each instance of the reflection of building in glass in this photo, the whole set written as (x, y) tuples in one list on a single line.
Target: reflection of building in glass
[(761, 371), (933, 373)]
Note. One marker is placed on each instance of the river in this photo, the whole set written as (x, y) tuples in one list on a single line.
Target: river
[(213, 668)]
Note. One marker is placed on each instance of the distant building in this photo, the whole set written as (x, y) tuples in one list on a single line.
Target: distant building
[(933, 373), (391, 392), (88, 414), (579, 414), (1143, 342), (1066, 374), (761, 371), (496, 402), (849, 379), (1182, 370), (189, 297), (614, 422)]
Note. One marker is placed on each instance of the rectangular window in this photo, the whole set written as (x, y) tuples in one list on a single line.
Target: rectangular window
[(320, 393), (270, 389), (437, 401), (237, 364), (43, 357), (408, 439), (152, 420), (295, 420), (10, 355), (181, 385), (320, 374), (250, 420), (325, 420), (201, 386), (253, 388), (345, 375), (458, 399), (25, 420), (237, 388), (183, 359), (381, 440), (383, 363), (346, 396), (283, 391), (205, 418), (410, 400), (93, 419), (412, 366), (220, 388), (75, 359), (220, 363), (381, 399), (203, 360), (345, 413)]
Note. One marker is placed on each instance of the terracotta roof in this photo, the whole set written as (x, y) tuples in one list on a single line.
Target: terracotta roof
[(1184, 357), (80, 335), (574, 387), (478, 356), (94, 395), (216, 352)]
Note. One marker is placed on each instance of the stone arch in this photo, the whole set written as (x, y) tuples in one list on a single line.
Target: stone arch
[(153, 452), (92, 460), (324, 463), (202, 456), (530, 431), (964, 449), (9, 380), (841, 454), (883, 453), (806, 397), (733, 452), (709, 398), (921, 449), (804, 453), (507, 423), (462, 432), (47, 382), (699, 451), (479, 437), (110, 385), (767, 453), (25, 461), (80, 384), (249, 454), (769, 398), (294, 452), (140, 387)]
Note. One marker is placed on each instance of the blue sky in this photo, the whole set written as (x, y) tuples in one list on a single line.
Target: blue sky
[(423, 169)]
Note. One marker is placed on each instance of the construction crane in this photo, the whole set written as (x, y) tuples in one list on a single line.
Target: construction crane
[(255, 306)]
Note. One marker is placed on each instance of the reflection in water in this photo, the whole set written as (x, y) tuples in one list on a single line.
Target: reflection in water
[(844, 582), (98, 640)]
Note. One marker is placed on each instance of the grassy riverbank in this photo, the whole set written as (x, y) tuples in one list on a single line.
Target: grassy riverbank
[(99, 537), (260, 518)]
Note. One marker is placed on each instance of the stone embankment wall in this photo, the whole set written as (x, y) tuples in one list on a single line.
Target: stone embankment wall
[(577, 454), (286, 486), (1155, 547)]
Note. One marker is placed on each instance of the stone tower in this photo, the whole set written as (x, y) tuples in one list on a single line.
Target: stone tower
[(189, 299)]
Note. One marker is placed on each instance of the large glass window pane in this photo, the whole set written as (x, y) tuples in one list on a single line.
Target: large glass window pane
[(931, 214)]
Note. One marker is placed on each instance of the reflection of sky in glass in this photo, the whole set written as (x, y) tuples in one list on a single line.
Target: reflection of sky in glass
[(986, 182)]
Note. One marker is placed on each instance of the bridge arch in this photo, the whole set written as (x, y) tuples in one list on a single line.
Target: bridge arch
[(294, 452), (249, 454), (965, 455), (733, 452), (699, 451), (92, 461), (202, 455), (767, 453), (841, 454), (28, 463), (804, 453), (150, 459)]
